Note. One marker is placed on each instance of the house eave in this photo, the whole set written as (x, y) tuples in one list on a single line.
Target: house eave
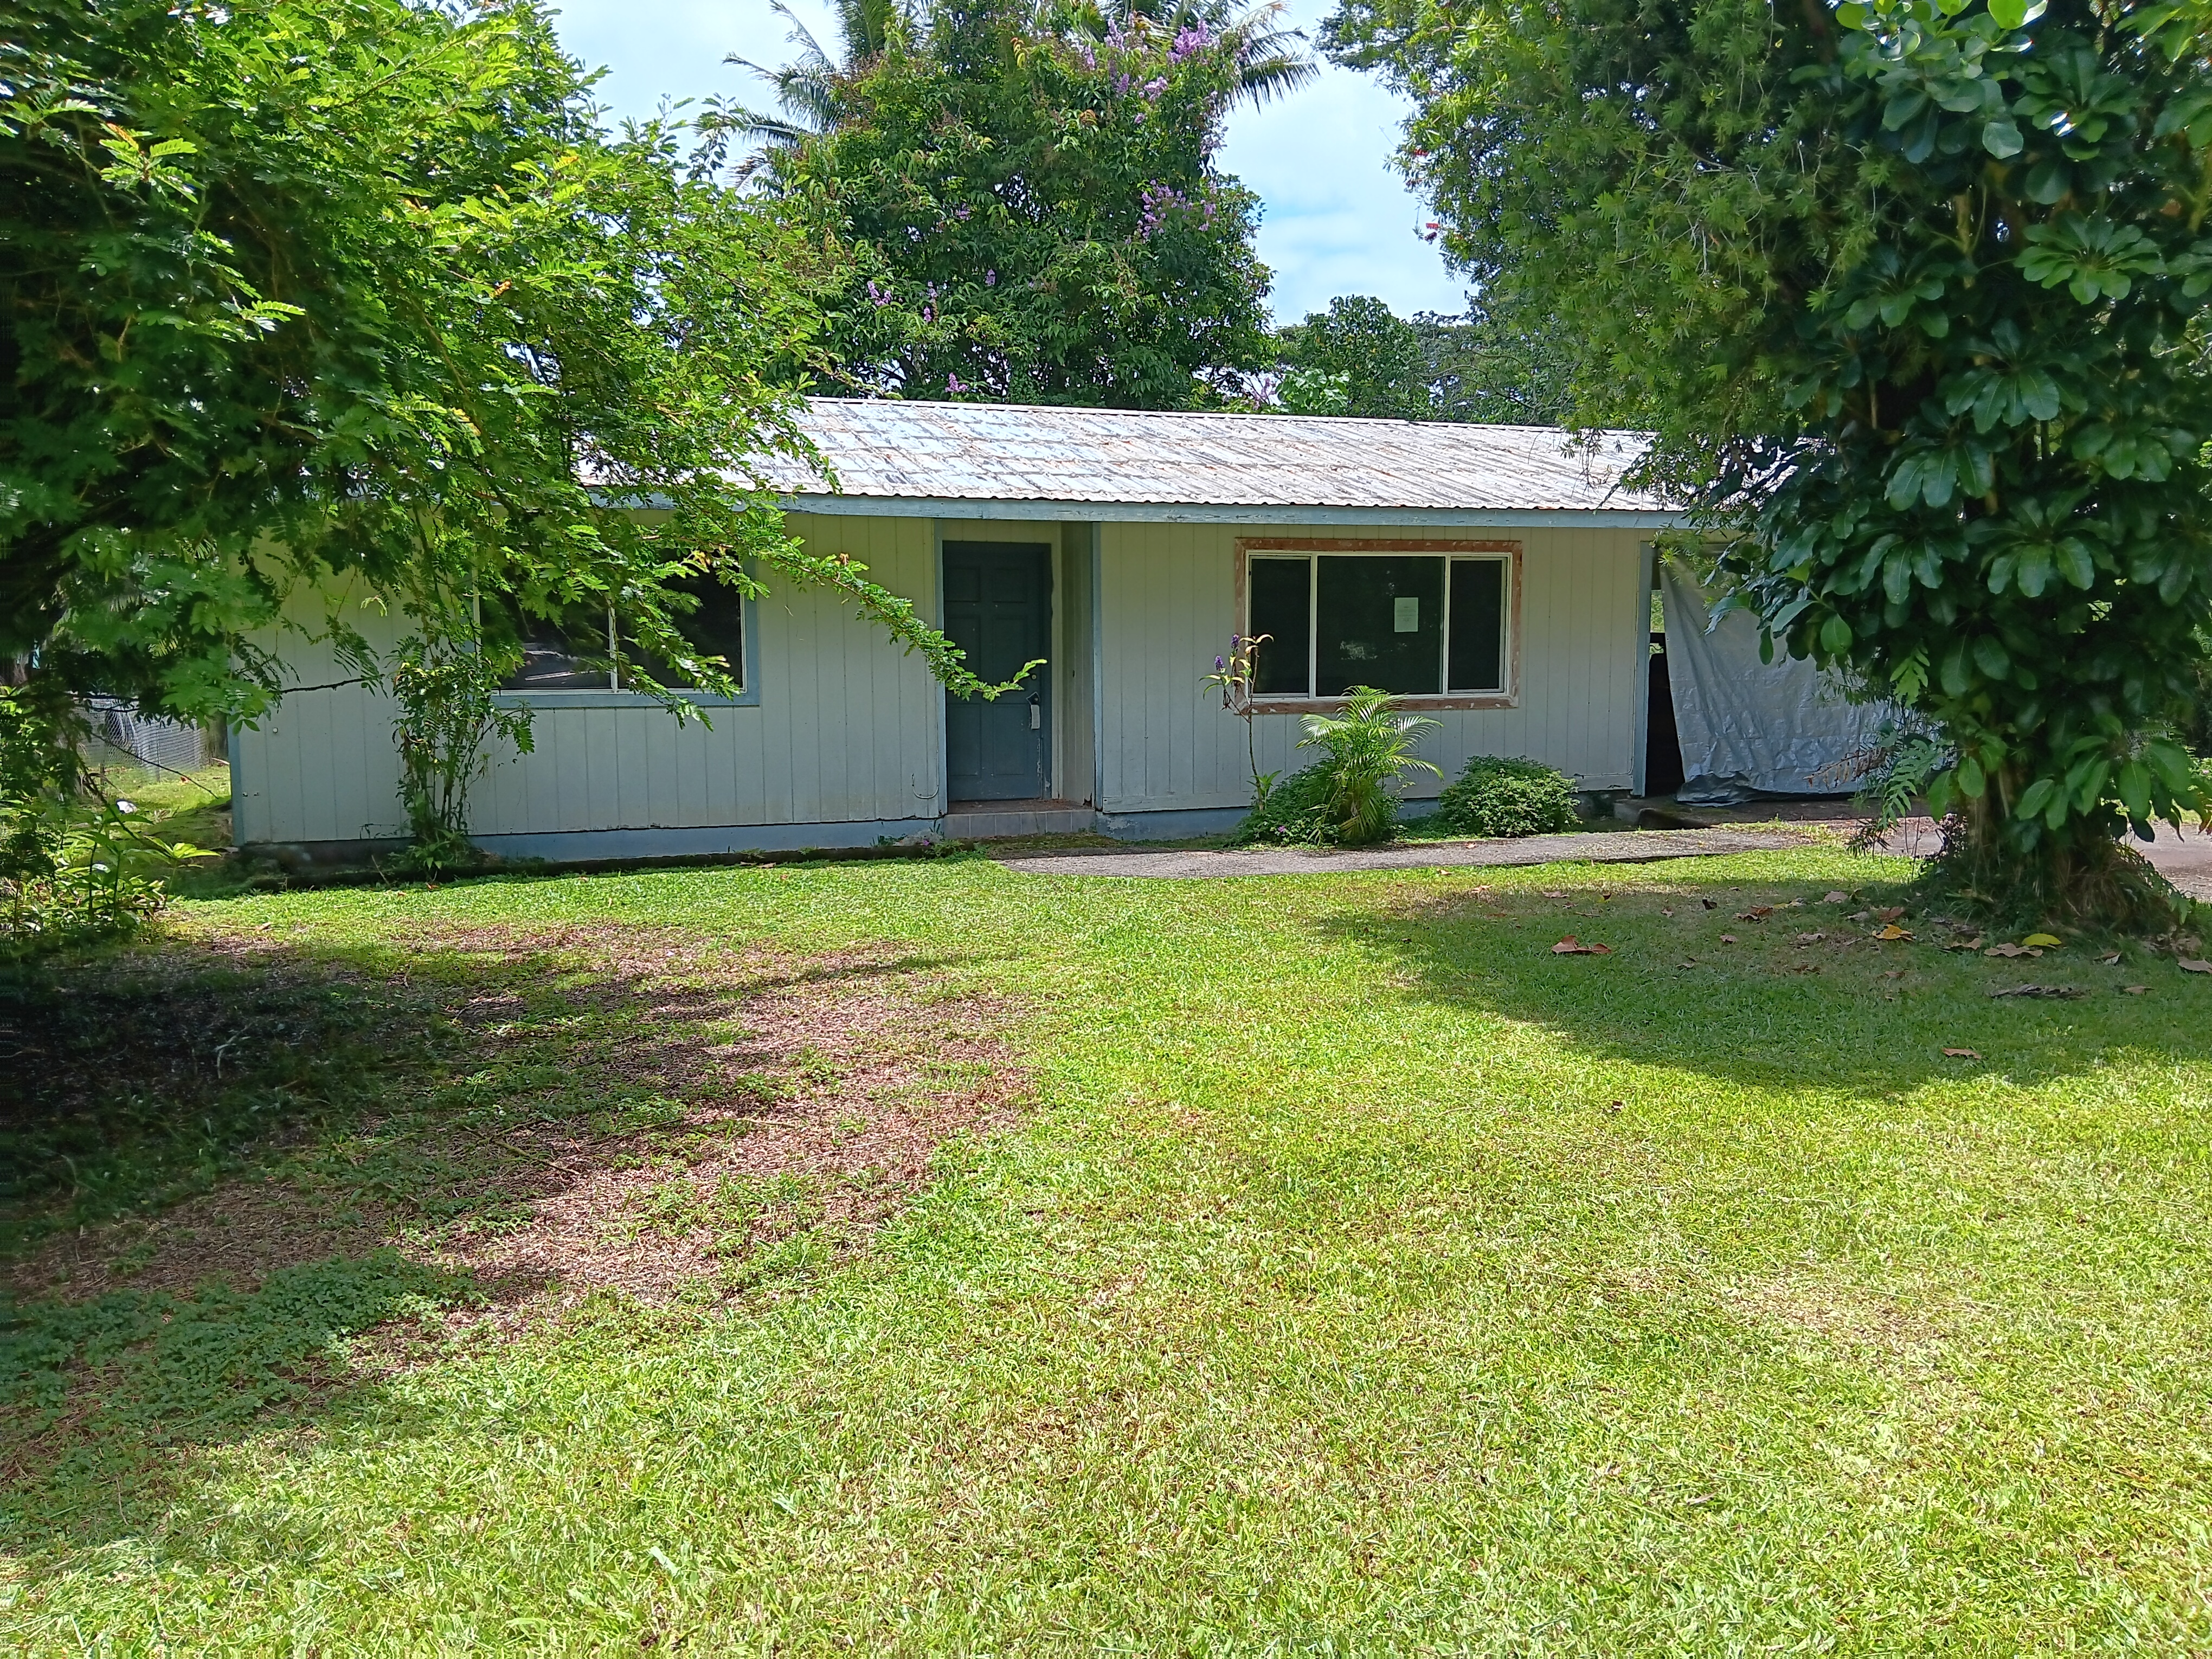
[(914, 507)]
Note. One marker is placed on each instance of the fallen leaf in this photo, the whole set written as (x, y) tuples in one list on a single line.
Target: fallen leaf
[(1710, 904), (1665, 912), (1550, 894), (2048, 941), (1973, 944), (2060, 993), (2109, 960), (1571, 947), (1893, 932), (1614, 1107), (1960, 1054), (1858, 915), (1811, 938), (1728, 938), (2010, 951), (1836, 898), (2189, 966), (1687, 962), (2135, 990), (1890, 914), (1757, 913), (1894, 972)]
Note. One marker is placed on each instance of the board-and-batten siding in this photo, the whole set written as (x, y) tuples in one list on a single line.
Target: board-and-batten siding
[(847, 730), (1168, 608)]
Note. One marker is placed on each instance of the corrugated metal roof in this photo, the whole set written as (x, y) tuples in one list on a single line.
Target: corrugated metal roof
[(947, 453)]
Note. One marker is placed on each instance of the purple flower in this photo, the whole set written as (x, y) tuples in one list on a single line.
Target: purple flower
[(1155, 87), (1218, 665), (990, 279), (952, 383), (1192, 40), (882, 297)]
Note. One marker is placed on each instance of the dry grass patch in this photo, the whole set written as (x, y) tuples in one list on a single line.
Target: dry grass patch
[(535, 1117)]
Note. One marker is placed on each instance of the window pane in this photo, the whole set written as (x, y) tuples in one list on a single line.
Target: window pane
[(1280, 599), (1381, 625), (1477, 625), (715, 628), (570, 654)]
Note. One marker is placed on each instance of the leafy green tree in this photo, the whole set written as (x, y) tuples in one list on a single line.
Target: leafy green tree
[(1271, 56), (1496, 364), (357, 285), (1359, 357), (1031, 215), (1916, 295)]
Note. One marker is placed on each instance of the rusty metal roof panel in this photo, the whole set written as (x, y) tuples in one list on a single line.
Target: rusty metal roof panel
[(1006, 453)]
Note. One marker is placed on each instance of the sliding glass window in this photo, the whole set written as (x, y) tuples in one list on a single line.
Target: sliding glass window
[(575, 653), (1413, 624)]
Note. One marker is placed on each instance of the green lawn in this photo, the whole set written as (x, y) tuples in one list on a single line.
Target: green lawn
[(1314, 1263)]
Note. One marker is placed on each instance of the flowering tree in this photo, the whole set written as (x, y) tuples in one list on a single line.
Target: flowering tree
[(1033, 216)]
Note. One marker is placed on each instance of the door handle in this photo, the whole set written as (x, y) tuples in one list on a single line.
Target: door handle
[(1036, 715)]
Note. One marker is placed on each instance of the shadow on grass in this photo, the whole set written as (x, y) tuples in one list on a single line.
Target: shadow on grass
[(1800, 996), (226, 1160)]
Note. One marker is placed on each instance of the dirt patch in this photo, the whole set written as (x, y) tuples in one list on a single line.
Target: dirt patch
[(592, 1108)]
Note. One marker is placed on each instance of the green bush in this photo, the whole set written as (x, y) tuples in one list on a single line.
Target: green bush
[(1494, 796), (1349, 799), (1294, 813)]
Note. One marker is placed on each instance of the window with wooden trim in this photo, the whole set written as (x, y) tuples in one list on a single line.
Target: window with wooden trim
[(1416, 624), (575, 653)]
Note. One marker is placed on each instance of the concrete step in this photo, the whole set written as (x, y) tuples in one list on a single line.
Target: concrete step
[(991, 820)]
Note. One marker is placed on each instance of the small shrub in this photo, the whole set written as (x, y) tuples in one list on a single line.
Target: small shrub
[(1347, 799), (1494, 796), (1294, 813)]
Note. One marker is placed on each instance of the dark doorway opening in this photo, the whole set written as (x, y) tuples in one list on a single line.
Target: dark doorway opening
[(1662, 744), (998, 609)]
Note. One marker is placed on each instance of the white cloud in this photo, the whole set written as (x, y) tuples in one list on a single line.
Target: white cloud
[(1337, 219)]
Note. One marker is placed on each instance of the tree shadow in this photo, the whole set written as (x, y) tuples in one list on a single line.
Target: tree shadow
[(1765, 984), (250, 1180)]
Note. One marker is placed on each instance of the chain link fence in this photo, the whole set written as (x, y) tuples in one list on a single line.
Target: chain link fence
[(124, 740)]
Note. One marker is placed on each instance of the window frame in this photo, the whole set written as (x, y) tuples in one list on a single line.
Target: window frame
[(615, 695), (1507, 553)]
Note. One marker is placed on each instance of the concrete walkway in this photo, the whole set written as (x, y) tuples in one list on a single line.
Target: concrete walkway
[(2184, 857), (1597, 846)]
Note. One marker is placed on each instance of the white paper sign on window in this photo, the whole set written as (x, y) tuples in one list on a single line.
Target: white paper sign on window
[(1406, 617)]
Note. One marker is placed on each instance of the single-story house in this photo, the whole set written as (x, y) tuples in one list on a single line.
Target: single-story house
[(1497, 578)]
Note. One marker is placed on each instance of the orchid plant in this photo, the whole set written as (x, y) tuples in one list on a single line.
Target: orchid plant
[(1232, 677)]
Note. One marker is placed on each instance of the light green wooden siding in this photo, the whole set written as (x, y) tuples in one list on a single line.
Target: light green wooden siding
[(1168, 608), (321, 766), (846, 729), (849, 730)]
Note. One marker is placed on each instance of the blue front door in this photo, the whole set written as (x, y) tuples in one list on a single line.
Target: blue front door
[(998, 609)]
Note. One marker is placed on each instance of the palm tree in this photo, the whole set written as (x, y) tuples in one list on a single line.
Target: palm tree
[(1273, 58), (806, 88)]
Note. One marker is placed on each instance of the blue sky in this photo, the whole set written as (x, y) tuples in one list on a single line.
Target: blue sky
[(1337, 221)]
